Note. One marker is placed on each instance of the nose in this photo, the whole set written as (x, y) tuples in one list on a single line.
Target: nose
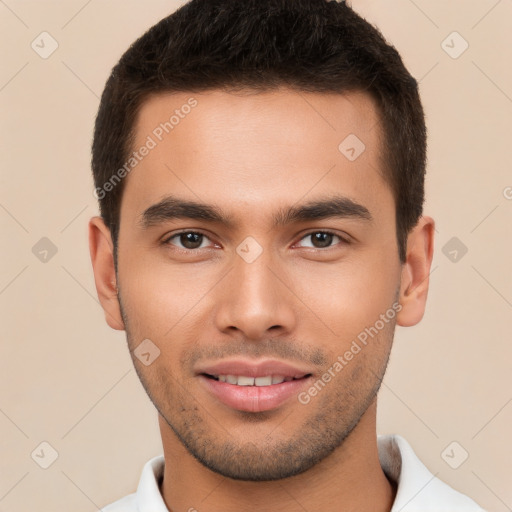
[(254, 301)]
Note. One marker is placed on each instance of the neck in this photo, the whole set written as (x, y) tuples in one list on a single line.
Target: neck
[(349, 479)]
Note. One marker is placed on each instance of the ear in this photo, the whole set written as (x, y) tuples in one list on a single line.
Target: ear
[(415, 272), (102, 257)]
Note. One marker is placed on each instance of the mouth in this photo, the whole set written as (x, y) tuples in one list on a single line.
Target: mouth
[(254, 386), (245, 380)]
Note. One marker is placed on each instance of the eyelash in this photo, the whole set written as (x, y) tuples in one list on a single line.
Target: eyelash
[(168, 239)]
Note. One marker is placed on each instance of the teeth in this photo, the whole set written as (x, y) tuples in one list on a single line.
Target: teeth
[(263, 381), (245, 381), (242, 380), (231, 379)]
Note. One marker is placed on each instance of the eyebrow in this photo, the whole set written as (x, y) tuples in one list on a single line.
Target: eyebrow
[(171, 208)]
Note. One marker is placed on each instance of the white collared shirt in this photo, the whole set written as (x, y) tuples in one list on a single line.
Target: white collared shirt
[(417, 489)]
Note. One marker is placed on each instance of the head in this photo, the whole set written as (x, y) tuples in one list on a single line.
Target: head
[(260, 170)]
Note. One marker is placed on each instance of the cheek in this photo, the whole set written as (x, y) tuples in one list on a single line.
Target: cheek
[(159, 298), (349, 296)]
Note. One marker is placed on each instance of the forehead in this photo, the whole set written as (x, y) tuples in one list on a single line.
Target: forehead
[(253, 150)]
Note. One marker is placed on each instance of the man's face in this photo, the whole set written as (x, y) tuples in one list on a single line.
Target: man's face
[(252, 292)]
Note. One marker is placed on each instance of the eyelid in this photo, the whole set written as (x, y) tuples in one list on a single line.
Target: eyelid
[(345, 239), (166, 240)]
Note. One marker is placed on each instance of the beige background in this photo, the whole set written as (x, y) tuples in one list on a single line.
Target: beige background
[(67, 379)]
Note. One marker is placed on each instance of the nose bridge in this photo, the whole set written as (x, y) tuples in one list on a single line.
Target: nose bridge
[(254, 299), (255, 279)]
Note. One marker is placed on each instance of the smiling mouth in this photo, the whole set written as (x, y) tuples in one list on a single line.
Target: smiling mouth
[(243, 380)]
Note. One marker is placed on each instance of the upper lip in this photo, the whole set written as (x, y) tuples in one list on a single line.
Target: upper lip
[(247, 368)]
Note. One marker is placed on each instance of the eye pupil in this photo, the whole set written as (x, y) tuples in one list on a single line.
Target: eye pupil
[(191, 240), (321, 239)]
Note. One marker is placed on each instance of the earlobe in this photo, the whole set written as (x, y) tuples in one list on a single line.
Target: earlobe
[(102, 258), (415, 272)]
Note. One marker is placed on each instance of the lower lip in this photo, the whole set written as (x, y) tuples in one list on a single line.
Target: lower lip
[(254, 398)]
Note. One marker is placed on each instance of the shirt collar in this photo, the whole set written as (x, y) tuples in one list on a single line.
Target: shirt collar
[(148, 497), (417, 488)]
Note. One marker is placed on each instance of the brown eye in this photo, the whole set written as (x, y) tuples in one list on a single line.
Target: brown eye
[(187, 240), (321, 239)]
